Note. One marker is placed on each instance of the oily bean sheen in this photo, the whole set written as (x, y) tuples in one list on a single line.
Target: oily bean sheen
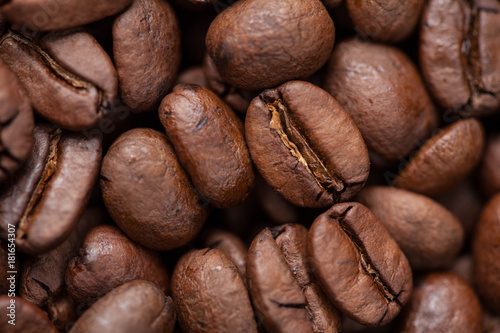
[(138, 306), (148, 193), (445, 159), (109, 259), (44, 15), (258, 44), (386, 21), (489, 173), (210, 295), (486, 248), (69, 78), (305, 145), (147, 53), (381, 90), (209, 141), (16, 123), (358, 264), (460, 54), (283, 289), (429, 235), (48, 195), (442, 302), (28, 317)]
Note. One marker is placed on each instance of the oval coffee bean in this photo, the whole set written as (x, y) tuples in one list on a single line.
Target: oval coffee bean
[(50, 192), (137, 306), (442, 302), (148, 193), (283, 289), (23, 317), (209, 141), (109, 259), (46, 15), (358, 264), (429, 235), (147, 53), (210, 295), (16, 123), (459, 57), (305, 145), (258, 44), (486, 248), (382, 91), (71, 88), (489, 173), (445, 159)]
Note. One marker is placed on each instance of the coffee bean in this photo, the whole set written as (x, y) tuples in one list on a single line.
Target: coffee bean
[(137, 306), (148, 193), (16, 123), (382, 91), (489, 174), (464, 268), (27, 318), (283, 289), (193, 75), (258, 44), (146, 76), (210, 295), (62, 311), (209, 141), (305, 145)]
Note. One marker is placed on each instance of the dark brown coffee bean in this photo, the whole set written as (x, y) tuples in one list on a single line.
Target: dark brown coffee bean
[(489, 173), (148, 193), (486, 248), (16, 123), (445, 159), (442, 302), (283, 289), (62, 311), (429, 235), (56, 14), (459, 54), (23, 317), (50, 192), (209, 141), (147, 53), (8, 281), (358, 264), (109, 259), (381, 90), (258, 44), (210, 295), (138, 306), (69, 78), (305, 145)]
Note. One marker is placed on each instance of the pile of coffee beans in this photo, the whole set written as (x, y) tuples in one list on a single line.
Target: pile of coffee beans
[(252, 166)]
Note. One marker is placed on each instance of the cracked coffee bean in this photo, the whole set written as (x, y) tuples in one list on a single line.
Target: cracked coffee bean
[(210, 295), (71, 89), (283, 288), (305, 145), (458, 50), (358, 264), (28, 317), (48, 195)]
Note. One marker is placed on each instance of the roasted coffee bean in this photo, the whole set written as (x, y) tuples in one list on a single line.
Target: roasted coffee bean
[(442, 302), (7, 258), (109, 259), (62, 311), (305, 145), (382, 91), (210, 295), (50, 192), (445, 159), (138, 306), (148, 193), (489, 173), (486, 248), (283, 289), (464, 268), (23, 317), (193, 75), (258, 44), (147, 53), (56, 14), (429, 235), (358, 264), (209, 141), (16, 123), (459, 54), (69, 78)]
